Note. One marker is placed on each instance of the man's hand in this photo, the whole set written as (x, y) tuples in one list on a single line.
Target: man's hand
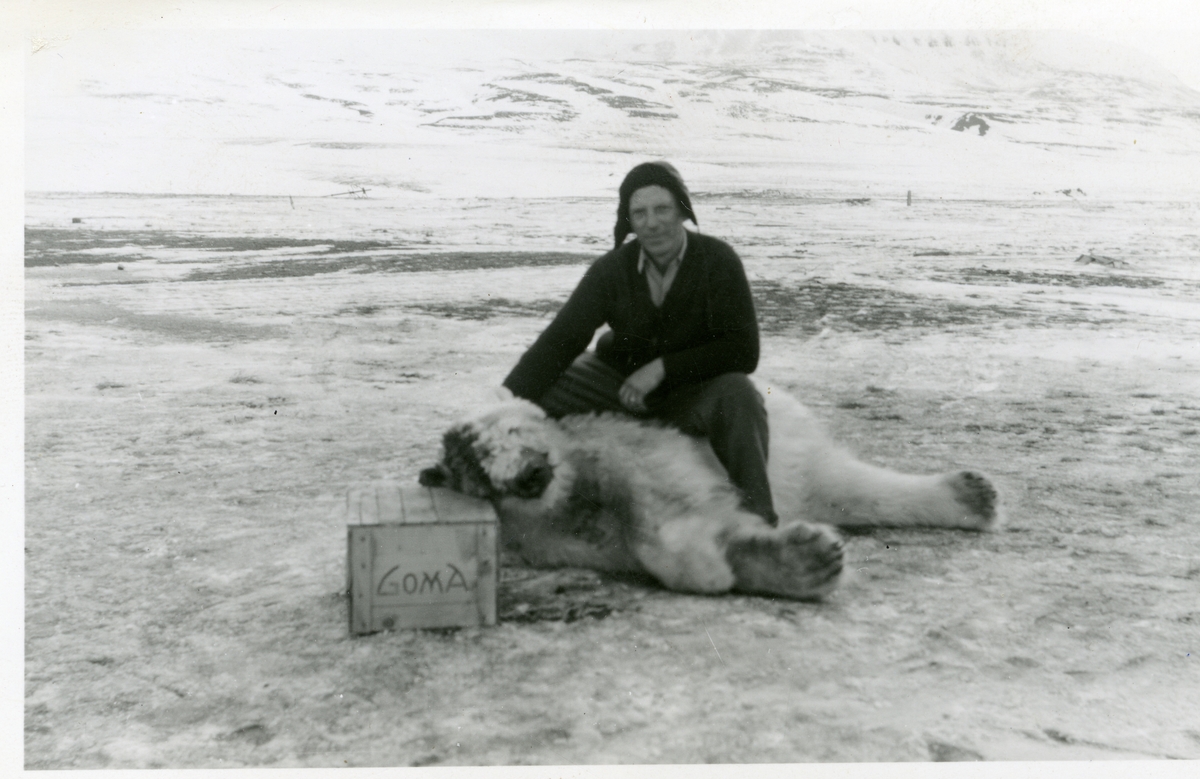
[(641, 383)]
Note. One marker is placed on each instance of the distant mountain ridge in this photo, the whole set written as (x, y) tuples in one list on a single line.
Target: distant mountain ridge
[(1057, 71), (773, 100)]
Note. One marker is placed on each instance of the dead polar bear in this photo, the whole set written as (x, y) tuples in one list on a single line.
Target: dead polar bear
[(615, 494)]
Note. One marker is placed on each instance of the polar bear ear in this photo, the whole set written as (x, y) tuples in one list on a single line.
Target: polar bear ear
[(503, 394), (461, 462)]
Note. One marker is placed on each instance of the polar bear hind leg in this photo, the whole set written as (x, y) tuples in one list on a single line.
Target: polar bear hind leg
[(817, 480), (839, 490), (963, 500)]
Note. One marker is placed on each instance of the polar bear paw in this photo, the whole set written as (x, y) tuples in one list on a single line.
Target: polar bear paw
[(977, 499), (799, 561)]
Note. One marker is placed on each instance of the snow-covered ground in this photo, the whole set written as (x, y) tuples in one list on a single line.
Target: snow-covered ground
[(194, 417)]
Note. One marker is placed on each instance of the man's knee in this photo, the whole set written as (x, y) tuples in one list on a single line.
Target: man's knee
[(734, 393), (713, 406), (737, 384)]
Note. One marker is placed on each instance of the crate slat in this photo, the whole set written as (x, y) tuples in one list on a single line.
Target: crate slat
[(453, 506)]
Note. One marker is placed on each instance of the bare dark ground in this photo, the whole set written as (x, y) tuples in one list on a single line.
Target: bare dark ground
[(186, 452)]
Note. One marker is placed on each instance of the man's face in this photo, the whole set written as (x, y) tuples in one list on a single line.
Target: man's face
[(657, 220)]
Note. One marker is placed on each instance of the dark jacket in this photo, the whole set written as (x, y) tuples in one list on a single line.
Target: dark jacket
[(706, 326)]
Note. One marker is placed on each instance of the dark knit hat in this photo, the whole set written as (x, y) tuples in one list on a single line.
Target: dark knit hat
[(648, 174)]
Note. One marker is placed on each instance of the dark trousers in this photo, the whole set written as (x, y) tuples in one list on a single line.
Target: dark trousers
[(726, 409)]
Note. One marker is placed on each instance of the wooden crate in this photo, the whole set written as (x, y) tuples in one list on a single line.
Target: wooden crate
[(419, 557)]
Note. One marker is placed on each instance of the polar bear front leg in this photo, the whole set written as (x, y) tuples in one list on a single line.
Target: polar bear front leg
[(799, 561), (714, 555), (688, 553)]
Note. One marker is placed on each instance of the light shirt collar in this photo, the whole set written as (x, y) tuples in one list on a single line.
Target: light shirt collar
[(658, 282), (644, 258)]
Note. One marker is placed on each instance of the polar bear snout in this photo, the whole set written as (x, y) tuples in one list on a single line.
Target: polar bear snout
[(467, 482), (434, 476), (535, 475)]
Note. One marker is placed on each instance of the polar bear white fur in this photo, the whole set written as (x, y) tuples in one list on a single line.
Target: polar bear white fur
[(612, 493)]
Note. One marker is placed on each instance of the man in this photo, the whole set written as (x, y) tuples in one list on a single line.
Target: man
[(683, 336)]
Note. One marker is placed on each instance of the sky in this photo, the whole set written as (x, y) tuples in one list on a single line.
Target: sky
[(1178, 50)]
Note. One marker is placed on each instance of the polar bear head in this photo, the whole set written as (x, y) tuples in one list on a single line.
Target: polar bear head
[(511, 450)]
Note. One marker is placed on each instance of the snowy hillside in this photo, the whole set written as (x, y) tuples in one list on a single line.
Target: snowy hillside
[(546, 113)]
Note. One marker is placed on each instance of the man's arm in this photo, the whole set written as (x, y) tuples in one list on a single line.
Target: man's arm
[(641, 383), (563, 340)]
